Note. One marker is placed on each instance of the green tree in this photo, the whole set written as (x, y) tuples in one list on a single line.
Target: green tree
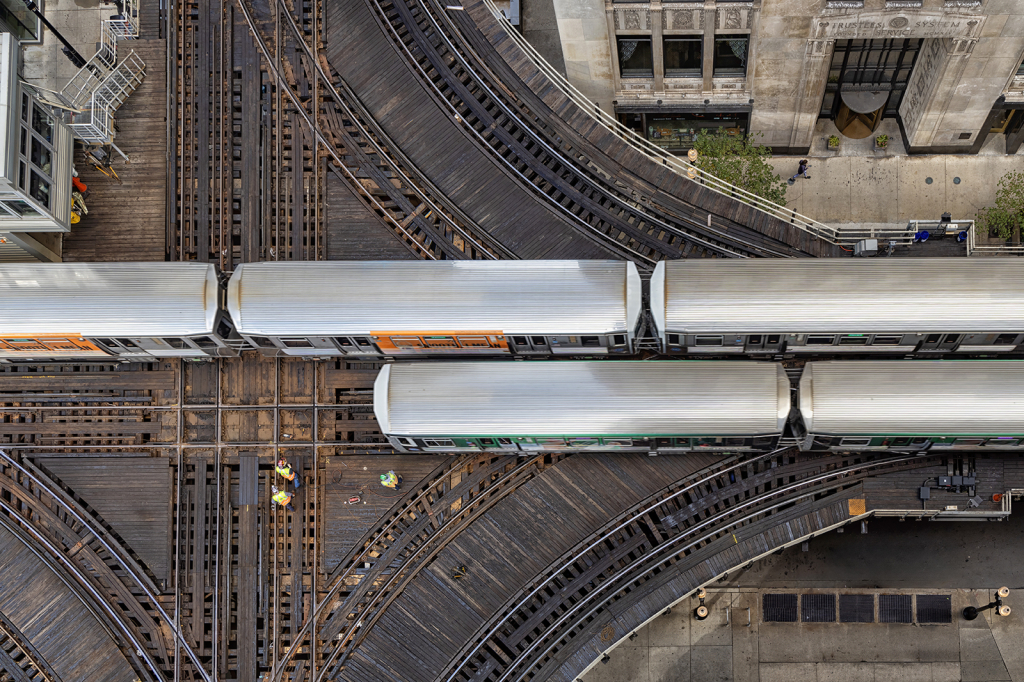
[(1007, 216), (740, 161)]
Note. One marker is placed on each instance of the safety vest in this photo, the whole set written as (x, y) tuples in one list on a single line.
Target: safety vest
[(285, 472), (390, 481), (281, 497)]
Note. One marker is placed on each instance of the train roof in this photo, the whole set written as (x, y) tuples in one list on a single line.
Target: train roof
[(511, 297), (838, 295), (583, 398), (954, 397), (108, 299)]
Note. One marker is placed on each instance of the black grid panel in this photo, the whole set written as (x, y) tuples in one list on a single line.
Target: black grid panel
[(779, 608), (934, 608), (895, 608), (856, 608), (818, 608)]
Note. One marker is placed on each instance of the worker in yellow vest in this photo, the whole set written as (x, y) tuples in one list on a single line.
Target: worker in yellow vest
[(285, 472), (282, 498), (390, 480)]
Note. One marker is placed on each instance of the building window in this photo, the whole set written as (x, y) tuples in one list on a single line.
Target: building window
[(683, 56), (35, 165), (731, 55), (677, 132), (1020, 69), (635, 60)]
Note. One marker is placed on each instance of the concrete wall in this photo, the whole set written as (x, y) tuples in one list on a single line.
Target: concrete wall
[(586, 48)]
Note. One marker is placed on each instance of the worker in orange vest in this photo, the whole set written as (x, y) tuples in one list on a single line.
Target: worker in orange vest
[(282, 498), (287, 474)]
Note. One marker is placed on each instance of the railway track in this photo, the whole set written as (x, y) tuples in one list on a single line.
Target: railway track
[(19, 658), (535, 632), (565, 176), (390, 555)]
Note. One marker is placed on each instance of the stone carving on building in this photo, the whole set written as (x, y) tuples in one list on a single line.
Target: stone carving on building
[(734, 18), (682, 19), (896, 24), (633, 18), (921, 82)]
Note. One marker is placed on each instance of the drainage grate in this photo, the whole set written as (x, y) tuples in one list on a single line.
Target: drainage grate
[(934, 608), (779, 608), (818, 608), (895, 608), (856, 608)]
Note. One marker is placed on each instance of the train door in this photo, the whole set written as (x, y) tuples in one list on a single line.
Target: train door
[(940, 343)]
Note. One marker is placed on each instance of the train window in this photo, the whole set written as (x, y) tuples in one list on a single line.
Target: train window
[(296, 343), (343, 342), (900, 441), (619, 442), (969, 441), (408, 442), (919, 441), (887, 341), (519, 340), (175, 343), (951, 338), (363, 341), (590, 341), (441, 341), (263, 341), (1004, 441), (539, 340), (438, 443), (205, 342), (736, 442), (474, 342), (855, 441), (707, 341), (619, 339), (763, 441), (755, 339), (932, 338), (109, 343), (487, 442), (673, 339), (773, 339), (1005, 339), (505, 441), (223, 329), (127, 343), (407, 341), (820, 340), (583, 442), (853, 341), (550, 441)]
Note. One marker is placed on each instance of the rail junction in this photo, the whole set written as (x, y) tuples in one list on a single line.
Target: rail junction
[(135, 514)]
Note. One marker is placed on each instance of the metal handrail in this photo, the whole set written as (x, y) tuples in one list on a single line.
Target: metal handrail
[(831, 234), (973, 248)]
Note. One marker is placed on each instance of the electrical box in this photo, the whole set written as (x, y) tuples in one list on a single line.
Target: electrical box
[(866, 248), (926, 492), (945, 481)]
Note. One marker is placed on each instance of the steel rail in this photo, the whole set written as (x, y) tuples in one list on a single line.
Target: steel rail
[(697, 230), (128, 564), (852, 474), (32, 655)]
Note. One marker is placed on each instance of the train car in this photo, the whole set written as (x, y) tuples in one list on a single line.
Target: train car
[(95, 311), (763, 307), (385, 309), (529, 407), (913, 405)]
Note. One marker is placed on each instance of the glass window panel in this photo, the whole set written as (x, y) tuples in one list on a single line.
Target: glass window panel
[(40, 156), (635, 59), (24, 107), (39, 189), (41, 124), (24, 147), (731, 56), (683, 57), (20, 207), (1020, 69), (176, 343)]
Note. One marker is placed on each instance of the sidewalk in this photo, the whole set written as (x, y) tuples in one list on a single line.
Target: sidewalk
[(860, 185), (678, 648)]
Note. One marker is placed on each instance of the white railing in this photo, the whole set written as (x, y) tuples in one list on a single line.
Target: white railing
[(844, 235), (973, 249), (95, 124)]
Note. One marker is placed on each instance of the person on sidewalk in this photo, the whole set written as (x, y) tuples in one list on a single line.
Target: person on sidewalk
[(801, 170), (390, 480), (285, 472), (282, 498)]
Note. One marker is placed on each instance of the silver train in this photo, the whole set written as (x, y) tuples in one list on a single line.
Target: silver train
[(763, 309), (689, 406)]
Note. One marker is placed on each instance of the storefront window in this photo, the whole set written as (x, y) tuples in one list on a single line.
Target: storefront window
[(731, 56), (678, 132), (683, 56), (635, 60)]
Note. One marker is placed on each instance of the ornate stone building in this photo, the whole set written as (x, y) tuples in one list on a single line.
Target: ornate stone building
[(951, 72)]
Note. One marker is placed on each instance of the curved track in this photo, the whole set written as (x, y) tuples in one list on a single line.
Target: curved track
[(19, 658)]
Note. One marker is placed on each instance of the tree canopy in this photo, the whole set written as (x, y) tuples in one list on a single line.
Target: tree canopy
[(740, 161), (1007, 216)]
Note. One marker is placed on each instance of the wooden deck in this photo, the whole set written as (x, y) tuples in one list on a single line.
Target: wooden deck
[(127, 222), (353, 232), (59, 626)]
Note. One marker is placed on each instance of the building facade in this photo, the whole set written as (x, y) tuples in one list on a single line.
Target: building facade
[(951, 72)]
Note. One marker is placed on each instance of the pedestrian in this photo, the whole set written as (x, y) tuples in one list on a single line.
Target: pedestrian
[(391, 480), (282, 498), (801, 170), (287, 474)]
